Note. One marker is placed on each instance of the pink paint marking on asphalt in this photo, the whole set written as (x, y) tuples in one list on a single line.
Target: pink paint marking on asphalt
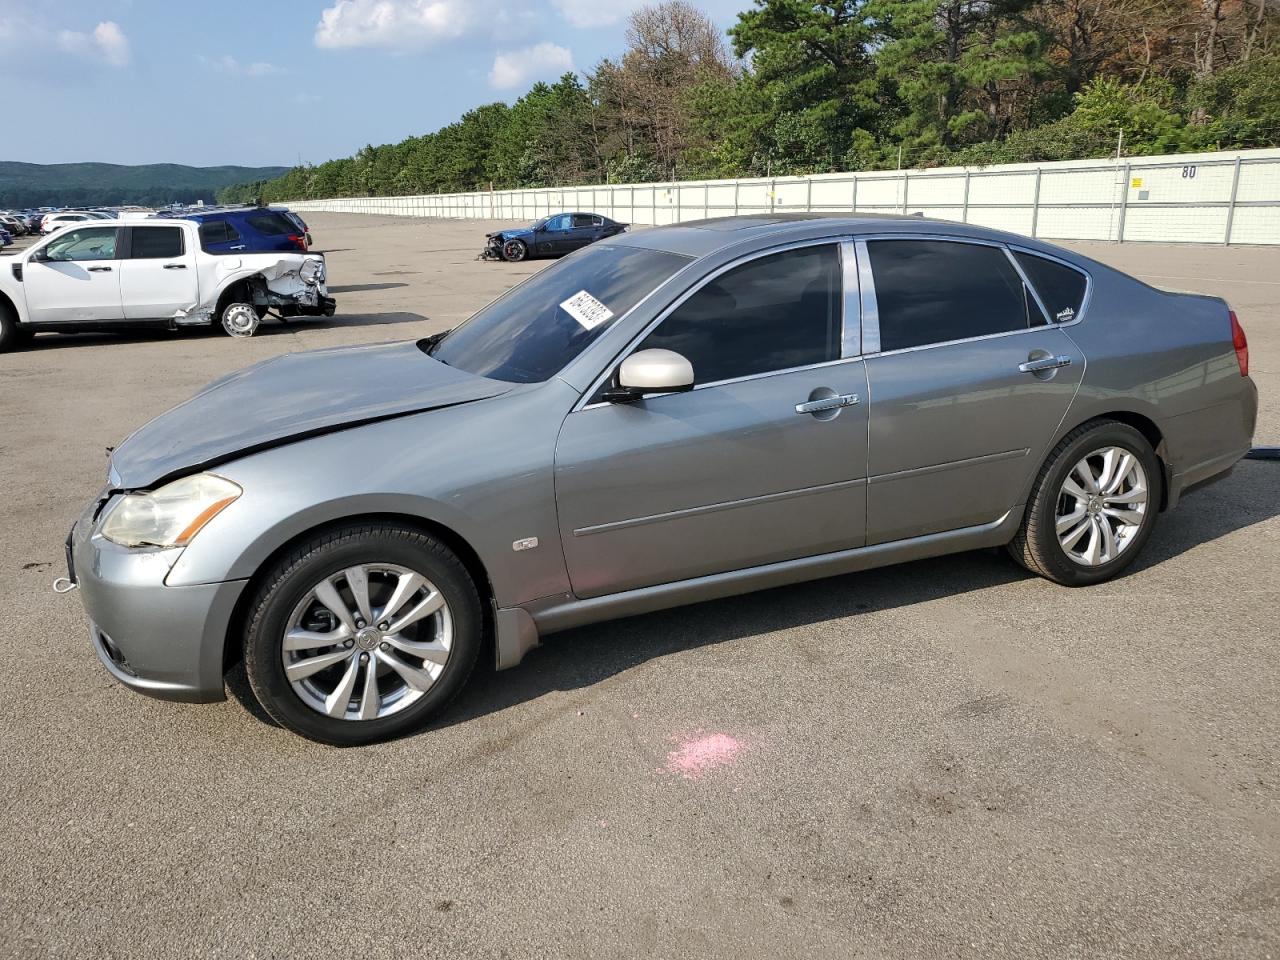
[(695, 757)]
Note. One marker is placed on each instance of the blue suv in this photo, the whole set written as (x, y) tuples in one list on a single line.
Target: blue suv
[(250, 230)]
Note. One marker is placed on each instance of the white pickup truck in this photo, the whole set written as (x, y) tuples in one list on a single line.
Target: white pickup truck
[(104, 274)]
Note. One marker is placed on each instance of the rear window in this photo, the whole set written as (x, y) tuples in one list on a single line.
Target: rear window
[(217, 231), (1061, 288), (272, 224), (154, 243)]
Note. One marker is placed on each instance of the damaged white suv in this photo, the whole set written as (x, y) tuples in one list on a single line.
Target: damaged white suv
[(112, 273)]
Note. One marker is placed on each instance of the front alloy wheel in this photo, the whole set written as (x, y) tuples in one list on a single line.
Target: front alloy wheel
[(514, 250), (362, 633), (367, 642)]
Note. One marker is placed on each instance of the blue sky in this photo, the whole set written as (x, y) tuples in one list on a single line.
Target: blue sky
[(261, 82)]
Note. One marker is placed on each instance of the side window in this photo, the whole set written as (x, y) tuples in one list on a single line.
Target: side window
[(934, 291), (558, 223), (156, 243), (582, 220), (780, 311), (1061, 288), (217, 231), (597, 221), (272, 224), (88, 243)]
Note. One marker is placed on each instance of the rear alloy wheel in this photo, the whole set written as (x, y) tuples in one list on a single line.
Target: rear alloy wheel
[(514, 251), (1093, 507), (362, 634)]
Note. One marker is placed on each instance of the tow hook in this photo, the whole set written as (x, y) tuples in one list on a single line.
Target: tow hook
[(65, 585)]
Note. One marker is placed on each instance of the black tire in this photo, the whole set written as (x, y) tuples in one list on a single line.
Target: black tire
[(1036, 545), (12, 335), (289, 581), (513, 251)]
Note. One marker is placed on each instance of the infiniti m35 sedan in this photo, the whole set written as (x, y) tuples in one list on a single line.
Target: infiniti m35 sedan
[(663, 417)]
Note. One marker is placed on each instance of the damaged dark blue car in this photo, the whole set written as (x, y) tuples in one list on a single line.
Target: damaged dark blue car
[(552, 236)]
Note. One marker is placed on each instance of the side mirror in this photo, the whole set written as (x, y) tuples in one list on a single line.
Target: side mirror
[(39, 255), (651, 371)]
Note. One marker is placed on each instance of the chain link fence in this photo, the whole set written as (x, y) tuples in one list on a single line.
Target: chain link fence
[(1231, 197)]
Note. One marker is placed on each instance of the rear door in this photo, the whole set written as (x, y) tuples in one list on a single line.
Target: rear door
[(742, 470), (158, 274), (80, 280), (586, 229), (969, 382)]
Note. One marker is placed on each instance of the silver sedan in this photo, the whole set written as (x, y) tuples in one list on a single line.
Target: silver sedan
[(664, 417)]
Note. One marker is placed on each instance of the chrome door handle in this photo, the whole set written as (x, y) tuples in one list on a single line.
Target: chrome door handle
[(1045, 363), (175, 266), (240, 247), (99, 269), (827, 403)]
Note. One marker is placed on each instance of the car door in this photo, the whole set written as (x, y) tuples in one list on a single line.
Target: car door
[(554, 237), (158, 275), (585, 230), (744, 469), (75, 278), (970, 382)]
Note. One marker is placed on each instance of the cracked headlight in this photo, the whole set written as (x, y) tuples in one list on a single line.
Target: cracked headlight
[(172, 515), (311, 271)]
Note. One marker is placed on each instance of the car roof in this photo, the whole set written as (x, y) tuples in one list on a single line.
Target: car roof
[(699, 238)]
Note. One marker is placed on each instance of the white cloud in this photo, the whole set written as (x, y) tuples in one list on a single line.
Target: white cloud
[(515, 68), (399, 25), (586, 14), (107, 42), (232, 67)]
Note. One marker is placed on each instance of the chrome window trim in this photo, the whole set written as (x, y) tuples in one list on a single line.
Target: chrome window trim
[(837, 241), (871, 310), (1088, 280), (867, 296), (851, 301)]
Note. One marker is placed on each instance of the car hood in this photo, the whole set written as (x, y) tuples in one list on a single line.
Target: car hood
[(289, 398), (512, 234)]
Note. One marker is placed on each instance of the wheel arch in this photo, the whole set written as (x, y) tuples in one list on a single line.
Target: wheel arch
[(1141, 422), (233, 645), (232, 287), (8, 305)]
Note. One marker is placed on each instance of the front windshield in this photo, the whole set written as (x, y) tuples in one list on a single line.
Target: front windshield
[(529, 334)]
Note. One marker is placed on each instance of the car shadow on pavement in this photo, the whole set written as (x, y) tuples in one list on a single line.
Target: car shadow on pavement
[(359, 287), (270, 327)]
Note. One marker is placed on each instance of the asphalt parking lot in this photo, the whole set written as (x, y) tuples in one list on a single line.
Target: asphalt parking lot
[(945, 759)]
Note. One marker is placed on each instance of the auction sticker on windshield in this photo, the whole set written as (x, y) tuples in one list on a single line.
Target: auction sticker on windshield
[(587, 310)]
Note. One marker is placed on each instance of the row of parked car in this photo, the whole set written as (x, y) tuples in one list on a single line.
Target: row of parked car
[(223, 229)]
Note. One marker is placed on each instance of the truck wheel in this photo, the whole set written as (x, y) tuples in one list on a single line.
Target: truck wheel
[(240, 319), (11, 333)]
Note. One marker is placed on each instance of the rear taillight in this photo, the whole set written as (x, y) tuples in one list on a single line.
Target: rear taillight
[(1241, 343), (298, 241)]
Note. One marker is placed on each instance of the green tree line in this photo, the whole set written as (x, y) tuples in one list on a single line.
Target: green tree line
[(799, 87)]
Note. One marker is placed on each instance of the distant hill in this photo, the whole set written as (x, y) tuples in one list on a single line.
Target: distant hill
[(102, 184)]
